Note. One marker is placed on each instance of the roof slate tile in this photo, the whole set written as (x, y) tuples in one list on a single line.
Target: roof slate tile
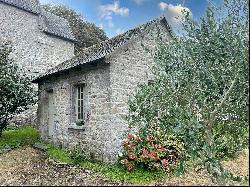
[(48, 23), (102, 49)]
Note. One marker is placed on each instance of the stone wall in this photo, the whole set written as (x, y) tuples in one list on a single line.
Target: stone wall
[(109, 85), (129, 66), (90, 139), (34, 50)]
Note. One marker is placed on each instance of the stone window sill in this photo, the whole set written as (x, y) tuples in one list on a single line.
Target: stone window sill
[(74, 126)]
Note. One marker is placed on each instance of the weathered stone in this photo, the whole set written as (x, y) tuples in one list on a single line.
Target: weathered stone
[(108, 84), (34, 50)]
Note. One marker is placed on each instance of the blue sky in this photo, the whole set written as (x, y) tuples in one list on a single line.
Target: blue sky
[(117, 16)]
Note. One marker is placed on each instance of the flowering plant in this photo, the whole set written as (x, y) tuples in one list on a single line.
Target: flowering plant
[(157, 151)]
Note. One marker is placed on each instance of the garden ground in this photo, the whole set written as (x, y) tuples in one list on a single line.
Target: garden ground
[(27, 165)]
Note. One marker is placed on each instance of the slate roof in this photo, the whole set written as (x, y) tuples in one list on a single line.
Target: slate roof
[(102, 49), (48, 23), (28, 5), (56, 25)]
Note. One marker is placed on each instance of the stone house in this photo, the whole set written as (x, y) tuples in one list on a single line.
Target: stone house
[(83, 101), (40, 40)]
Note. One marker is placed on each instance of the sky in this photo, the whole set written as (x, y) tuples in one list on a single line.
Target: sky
[(118, 16)]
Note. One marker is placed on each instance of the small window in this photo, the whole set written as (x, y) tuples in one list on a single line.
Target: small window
[(80, 103), (150, 82)]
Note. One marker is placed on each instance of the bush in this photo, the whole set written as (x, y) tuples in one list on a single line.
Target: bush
[(228, 142), (16, 90), (157, 151)]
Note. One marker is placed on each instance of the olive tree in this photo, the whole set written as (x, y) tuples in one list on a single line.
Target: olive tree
[(16, 90), (201, 89)]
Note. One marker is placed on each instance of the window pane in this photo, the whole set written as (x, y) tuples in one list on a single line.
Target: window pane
[(80, 102)]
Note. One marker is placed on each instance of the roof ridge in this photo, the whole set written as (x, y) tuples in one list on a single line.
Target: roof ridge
[(29, 6), (48, 17), (161, 17), (103, 48), (47, 12), (54, 27)]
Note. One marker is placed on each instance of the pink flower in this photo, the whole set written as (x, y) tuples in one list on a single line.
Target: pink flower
[(164, 162), (130, 136), (130, 167), (137, 140), (158, 146), (153, 155), (132, 156)]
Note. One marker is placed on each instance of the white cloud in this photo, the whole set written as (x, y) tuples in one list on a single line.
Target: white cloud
[(163, 6), (107, 12), (174, 14), (109, 9), (118, 31)]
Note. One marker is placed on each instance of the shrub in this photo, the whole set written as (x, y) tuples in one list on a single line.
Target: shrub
[(157, 151), (231, 139), (16, 90)]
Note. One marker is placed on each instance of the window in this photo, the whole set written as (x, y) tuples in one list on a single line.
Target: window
[(150, 82), (80, 103)]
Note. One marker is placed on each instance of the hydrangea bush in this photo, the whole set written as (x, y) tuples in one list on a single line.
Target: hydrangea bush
[(156, 151)]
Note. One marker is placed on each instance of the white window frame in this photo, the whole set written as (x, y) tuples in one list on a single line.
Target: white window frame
[(80, 102)]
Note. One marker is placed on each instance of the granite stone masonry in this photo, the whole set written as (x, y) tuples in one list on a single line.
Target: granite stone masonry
[(83, 101), (40, 40)]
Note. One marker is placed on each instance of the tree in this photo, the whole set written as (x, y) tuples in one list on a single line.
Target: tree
[(86, 33), (16, 90), (201, 90)]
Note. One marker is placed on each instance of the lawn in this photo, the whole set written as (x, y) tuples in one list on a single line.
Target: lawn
[(14, 138)]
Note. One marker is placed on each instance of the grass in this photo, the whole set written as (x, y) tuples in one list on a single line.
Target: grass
[(15, 138), (19, 137), (114, 172), (59, 154)]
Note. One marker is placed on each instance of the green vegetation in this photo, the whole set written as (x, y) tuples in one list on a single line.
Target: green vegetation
[(19, 137), (200, 93), (115, 172), (16, 91), (157, 152), (15, 138)]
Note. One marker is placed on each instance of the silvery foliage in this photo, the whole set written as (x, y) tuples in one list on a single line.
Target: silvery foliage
[(16, 90), (201, 80)]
